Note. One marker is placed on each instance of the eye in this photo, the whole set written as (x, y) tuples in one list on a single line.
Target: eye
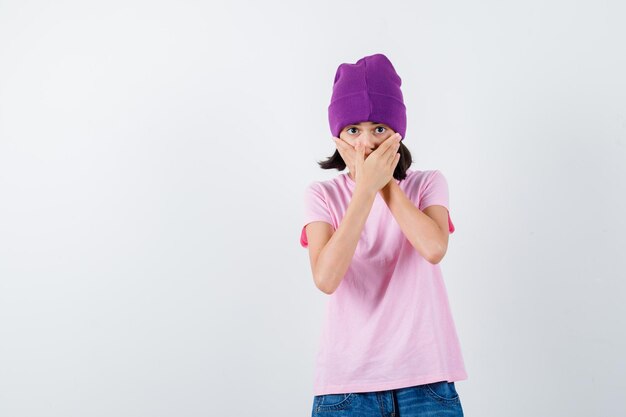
[(381, 127), (351, 128)]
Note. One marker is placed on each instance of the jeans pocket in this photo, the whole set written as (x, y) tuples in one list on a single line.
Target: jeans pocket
[(442, 391), (333, 402)]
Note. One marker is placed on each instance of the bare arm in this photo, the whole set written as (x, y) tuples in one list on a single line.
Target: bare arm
[(336, 254), (426, 230), (331, 263)]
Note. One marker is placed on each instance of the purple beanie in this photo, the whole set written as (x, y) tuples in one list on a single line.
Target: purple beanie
[(367, 91)]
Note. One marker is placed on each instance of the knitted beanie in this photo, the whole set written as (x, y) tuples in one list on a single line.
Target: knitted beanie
[(367, 91)]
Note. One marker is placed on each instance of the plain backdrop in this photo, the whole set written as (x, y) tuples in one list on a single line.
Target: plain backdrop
[(153, 158)]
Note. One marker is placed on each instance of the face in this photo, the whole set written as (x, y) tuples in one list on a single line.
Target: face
[(369, 134)]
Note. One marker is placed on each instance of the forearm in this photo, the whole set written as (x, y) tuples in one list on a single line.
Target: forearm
[(420, 230), (335, 258)]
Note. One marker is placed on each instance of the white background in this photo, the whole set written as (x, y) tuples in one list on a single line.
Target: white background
[(153, 157)]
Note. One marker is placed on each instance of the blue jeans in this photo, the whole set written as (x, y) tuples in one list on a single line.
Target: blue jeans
[(428, 400)]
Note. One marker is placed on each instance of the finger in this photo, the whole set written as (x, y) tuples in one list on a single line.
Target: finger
[(360, 156), (387, 146), (391, 153), (350, 154), (395, 161), (389, 142), (347, 151), (392, 145), (392, 163), (341, 146), (338, 147)]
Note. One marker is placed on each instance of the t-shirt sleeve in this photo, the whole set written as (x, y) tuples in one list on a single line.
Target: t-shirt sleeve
[(435, 192), (315, 209)]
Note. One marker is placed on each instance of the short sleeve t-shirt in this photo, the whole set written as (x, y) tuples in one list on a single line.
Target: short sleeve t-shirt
[(388, 324)]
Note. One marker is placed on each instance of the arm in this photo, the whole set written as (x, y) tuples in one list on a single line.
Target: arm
[(426, 230), (331, 262)]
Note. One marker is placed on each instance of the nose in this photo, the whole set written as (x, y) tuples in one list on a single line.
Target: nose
[(368, 142)]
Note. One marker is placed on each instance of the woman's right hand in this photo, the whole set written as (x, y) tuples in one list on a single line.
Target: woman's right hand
[(377, 170)]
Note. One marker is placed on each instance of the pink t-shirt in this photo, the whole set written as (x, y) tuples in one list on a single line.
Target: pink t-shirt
[(388, 325)]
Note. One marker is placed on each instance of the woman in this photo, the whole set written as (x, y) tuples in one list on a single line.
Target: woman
[(375, 237)]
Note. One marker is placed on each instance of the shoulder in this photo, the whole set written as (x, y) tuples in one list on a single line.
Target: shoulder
[(427, 174), (317, 187), (422, 178), (329, 188), (419, 174), (430, 177)]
